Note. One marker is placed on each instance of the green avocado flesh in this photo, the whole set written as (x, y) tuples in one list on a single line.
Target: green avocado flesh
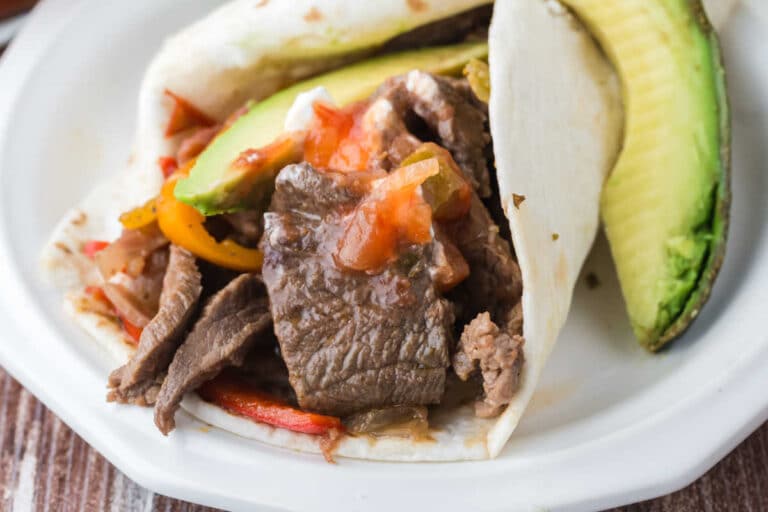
[(211, 189), (665, 206)]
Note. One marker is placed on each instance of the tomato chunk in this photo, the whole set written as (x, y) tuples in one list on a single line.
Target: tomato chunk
[(240, 398), (336, 138), (395, 212)]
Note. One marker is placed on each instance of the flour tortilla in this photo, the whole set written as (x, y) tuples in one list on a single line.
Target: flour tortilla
[(552, 148)]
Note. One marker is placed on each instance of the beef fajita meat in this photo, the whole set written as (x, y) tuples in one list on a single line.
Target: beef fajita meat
[(488, 304), (488, 300), (499, 356), (494, 283), (136, 381), (351, 340), (231, 323), (418, 107)]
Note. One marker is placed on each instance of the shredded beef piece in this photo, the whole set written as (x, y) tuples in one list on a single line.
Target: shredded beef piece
[(488, 304), (495, 283), (351, 340), (499, 356), (160, 338), (445, 112), (246, 226), (231, 323)]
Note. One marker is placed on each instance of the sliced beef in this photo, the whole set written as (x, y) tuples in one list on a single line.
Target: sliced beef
[(419, 106), (246, 226), (488, 304), (495, 283), (351, 340), (229, 326), (136, 381), (499, 356)]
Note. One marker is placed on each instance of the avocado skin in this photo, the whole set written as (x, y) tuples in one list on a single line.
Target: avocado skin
[(211, 190), (693, 257), (721, 212)]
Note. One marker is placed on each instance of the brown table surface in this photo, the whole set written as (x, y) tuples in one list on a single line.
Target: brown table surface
[(46, 466)]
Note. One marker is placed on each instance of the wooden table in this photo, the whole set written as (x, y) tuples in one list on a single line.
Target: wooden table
[(46, 466)]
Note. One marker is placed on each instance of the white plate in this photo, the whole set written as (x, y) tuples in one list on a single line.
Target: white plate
[(610, 424)]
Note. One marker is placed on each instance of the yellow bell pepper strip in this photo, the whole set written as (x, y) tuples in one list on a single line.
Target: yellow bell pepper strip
[(183, 225), (479, 78), (140, 216)]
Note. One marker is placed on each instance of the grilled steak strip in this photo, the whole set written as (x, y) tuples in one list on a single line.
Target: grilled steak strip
[(419, 106), (231, 323), (351, 340), (136, 381)]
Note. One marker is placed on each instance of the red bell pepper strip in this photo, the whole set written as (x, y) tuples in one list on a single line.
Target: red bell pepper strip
[(91, 247), (184, 115), (239, 398), (133, 331)]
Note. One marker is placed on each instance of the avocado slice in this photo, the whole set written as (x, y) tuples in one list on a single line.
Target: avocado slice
[(209, 186), (665, 207)]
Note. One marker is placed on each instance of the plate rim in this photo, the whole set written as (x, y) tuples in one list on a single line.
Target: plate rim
[(17, 65)]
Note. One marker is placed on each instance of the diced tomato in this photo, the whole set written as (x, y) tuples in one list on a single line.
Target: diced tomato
[(336, 139), (91, 247), (184, 116), (240, 398), (393, 213), (168, 165), (133, 331)]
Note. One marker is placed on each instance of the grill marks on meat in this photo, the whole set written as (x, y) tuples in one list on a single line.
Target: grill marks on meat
[(230, 325), (351, 341), (404, 106), (136, 382)]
